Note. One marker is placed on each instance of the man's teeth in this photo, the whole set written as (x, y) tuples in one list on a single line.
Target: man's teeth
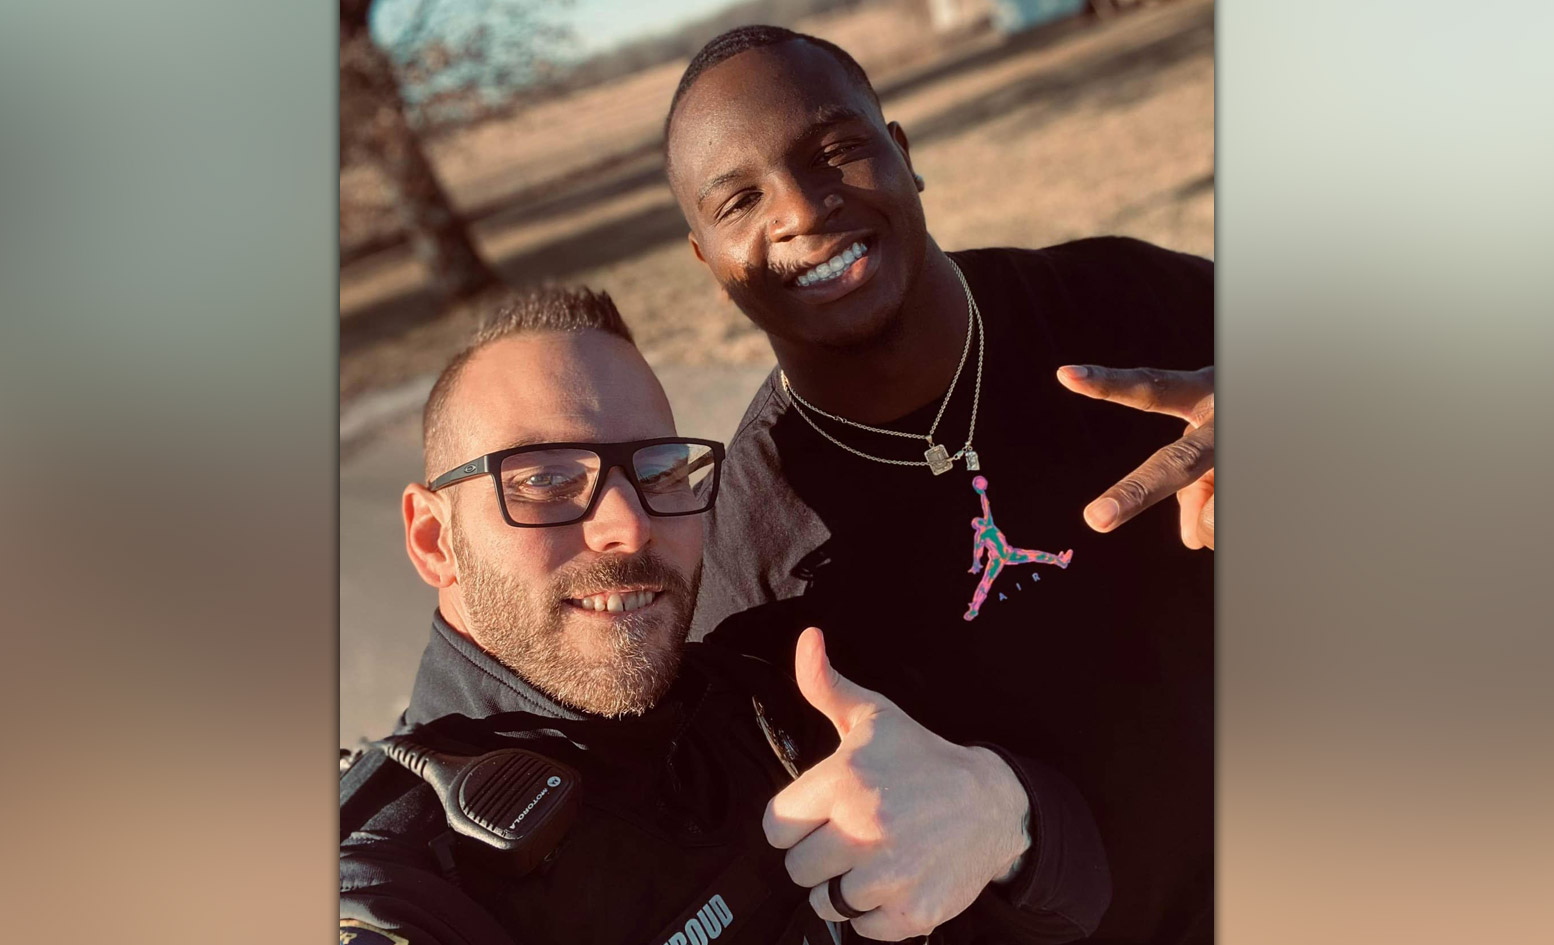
[(616, 603), (834, 266)]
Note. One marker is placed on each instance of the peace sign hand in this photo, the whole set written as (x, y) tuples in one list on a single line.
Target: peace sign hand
[(1185, 467)]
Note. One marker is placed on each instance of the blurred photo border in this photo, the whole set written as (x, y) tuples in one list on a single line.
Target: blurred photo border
[(168, 293)]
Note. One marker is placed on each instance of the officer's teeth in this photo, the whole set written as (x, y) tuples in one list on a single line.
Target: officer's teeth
[(616, 602)]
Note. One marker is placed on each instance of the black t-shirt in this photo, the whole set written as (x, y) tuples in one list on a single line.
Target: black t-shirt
[(1103, 669)]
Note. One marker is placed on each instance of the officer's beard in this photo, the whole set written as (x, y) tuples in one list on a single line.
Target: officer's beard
[(632, 660)]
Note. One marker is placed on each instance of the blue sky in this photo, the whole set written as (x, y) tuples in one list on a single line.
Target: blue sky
[(597, 24)]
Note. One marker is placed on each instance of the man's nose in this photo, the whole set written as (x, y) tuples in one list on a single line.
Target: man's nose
[(799, 208), (619, 522)]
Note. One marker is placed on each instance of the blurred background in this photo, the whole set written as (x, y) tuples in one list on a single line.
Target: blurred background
[(491, 143), (168, 377)]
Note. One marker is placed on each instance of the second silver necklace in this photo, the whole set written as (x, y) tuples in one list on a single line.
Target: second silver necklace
[(937, 457)]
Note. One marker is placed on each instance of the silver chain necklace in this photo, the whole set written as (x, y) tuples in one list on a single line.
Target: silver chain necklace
[(937, 458)]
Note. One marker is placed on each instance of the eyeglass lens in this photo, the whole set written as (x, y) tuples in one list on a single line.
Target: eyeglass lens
[(547, 487)]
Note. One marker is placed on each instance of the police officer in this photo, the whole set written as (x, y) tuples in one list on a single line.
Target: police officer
[(569, 770)]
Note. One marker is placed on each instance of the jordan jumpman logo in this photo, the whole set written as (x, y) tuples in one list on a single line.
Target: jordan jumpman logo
[(990, 541)]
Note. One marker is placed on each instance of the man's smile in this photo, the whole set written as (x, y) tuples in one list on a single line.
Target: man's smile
[(616, 601), (840, 269)]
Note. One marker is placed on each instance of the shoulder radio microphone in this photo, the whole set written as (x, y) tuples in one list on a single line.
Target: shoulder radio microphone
[(515, 802)]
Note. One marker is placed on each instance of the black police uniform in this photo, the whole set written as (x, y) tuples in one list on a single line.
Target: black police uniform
[(666, 847)]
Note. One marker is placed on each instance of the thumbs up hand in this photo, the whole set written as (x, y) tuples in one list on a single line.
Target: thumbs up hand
[(915, 826)]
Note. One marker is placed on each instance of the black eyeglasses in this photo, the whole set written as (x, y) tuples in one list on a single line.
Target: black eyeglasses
[(560, 483)]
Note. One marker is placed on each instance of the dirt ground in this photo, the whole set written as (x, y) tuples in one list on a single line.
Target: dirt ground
[(1083, 130)]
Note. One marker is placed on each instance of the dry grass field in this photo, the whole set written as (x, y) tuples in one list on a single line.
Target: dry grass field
[(1086, 129)]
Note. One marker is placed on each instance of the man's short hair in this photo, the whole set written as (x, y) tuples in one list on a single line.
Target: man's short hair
[(553, 308), (740, 39)]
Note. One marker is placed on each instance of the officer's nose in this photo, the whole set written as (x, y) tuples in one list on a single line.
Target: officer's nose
[(619, 523)]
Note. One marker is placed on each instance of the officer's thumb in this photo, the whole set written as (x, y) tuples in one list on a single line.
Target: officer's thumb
[(838, 698)]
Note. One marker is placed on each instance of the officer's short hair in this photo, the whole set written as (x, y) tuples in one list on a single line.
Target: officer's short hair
[(553, 308)]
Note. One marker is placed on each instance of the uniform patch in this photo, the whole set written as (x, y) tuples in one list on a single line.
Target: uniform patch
[(357, 932)]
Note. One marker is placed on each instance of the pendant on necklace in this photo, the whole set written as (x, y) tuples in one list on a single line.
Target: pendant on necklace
[(972, 465), (939, 461)]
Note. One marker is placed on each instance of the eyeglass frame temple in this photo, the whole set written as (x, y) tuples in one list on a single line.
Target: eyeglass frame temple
[(469, 470)]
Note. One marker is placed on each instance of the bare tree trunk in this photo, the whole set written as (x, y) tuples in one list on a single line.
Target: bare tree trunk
[(373, 124)]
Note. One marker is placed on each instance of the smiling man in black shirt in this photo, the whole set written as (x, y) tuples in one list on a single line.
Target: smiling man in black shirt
[(910, 478)]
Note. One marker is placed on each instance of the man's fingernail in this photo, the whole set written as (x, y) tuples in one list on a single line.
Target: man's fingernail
[(1102, 514), (1074, 372)]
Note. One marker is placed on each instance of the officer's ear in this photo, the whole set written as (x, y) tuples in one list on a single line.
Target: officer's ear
[(428, 540)]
